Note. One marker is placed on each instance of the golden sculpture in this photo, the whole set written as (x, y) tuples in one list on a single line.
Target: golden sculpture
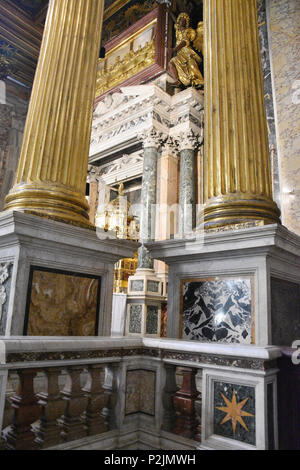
[(184, 66)]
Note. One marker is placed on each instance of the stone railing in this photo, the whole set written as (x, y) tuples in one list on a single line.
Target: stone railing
[(139, 393)]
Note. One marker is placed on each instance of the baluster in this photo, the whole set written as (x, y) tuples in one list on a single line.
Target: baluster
[(184, 401), (53, 406), (111, 390), (72, 423), (170, 389), (19, 436), (97, 400)]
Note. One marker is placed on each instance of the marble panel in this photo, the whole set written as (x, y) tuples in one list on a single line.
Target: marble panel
[(152, 320), (135, 318), (140, 392), (153, 286), (234, 412), (137, 286), (5, 286), (217, 310), (284, 37), (62, 304), (285, 312)]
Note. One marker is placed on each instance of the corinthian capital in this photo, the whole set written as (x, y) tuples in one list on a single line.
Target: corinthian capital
[(151, 138), (170, 146), (189, 140)]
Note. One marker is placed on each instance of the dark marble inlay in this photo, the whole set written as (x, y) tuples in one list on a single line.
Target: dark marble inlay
[(5, 287), (232, 397), (137, 286), (152, 320), (153, 286), (285, 308), (217, 311), (135, 321)]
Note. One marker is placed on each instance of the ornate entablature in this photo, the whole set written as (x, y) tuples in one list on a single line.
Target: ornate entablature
[(122, 117)]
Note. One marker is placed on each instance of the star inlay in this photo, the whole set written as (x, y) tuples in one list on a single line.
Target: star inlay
[(234, 411)]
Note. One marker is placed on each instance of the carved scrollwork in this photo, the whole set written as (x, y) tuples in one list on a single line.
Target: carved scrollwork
[(4, 275)]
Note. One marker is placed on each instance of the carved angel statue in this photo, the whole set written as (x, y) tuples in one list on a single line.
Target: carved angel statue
[(184, 66)]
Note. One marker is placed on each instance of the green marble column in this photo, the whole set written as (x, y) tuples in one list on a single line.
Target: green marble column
[(188, 144), (151, 143)]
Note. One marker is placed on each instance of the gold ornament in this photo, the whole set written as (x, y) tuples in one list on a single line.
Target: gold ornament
[(184, 66)]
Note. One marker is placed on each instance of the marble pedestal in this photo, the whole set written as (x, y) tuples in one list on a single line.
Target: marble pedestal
[(144, 303), (240, 286), (30, 244)]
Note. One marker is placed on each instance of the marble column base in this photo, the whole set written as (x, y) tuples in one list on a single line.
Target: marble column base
[(239, 286), (49, 270)]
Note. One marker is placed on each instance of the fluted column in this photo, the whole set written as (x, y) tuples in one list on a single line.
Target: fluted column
[(51, 177), (151, 143), (188, 144), (237, 168)]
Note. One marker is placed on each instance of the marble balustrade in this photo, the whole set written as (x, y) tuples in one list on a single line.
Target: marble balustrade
[(76, 393)]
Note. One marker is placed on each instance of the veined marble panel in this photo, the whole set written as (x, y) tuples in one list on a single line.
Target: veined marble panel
[(234, 412), (140, 392), (217, 310), (135, 319), (152, 320), (284, 36), (137, 286), (62, 304)]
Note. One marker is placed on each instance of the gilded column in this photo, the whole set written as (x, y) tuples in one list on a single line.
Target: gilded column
[(51, 177), (237, 186), (188, 144), (151, 143)]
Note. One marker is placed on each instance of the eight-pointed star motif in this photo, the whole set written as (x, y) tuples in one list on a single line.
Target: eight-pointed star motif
[(234, 411)]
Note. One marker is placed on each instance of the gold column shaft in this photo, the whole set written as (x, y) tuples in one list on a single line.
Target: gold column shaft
[(237, 176), (51, 176)]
